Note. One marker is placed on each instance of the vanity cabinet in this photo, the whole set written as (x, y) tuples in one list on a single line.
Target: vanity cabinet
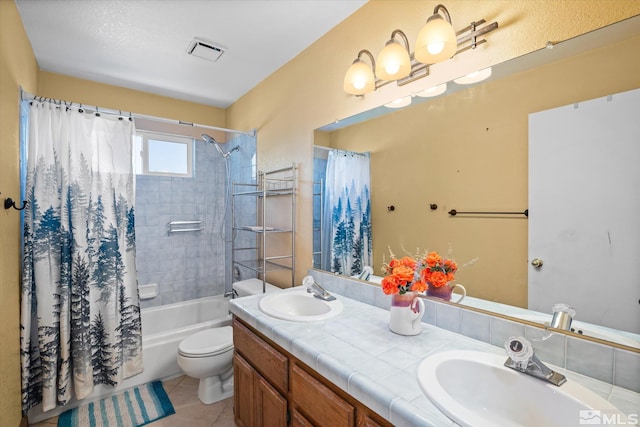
[(260, 381), (256, 402), (274, 388)]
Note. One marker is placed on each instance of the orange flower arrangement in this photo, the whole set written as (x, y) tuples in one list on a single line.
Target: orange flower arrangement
[(408, 275), (403, 276), (438, 271)]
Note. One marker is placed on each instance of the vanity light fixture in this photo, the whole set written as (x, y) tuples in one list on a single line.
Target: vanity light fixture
[(437, 39), (394, 60), (360, 78), (433, 91), (475, 77), (399, 103), (396, 63)]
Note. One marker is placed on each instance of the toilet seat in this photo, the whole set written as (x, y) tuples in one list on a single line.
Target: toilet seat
[(208, 342)]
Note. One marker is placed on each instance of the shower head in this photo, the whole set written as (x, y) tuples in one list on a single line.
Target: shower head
[(211, 140)]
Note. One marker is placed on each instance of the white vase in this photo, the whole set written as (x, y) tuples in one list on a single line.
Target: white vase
[(405, 315)]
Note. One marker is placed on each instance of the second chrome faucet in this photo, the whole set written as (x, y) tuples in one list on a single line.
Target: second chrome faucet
[(523, 359), (318, 291)]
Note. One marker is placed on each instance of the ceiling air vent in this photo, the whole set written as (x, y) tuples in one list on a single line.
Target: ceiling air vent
[(205, 50)]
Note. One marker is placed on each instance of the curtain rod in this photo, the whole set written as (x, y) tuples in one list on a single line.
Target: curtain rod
[(25, 96), (342, 152)]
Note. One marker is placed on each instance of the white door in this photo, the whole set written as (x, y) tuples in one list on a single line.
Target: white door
[(584, 210)]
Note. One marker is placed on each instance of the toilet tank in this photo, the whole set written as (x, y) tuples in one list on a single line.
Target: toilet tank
[(252, 287)]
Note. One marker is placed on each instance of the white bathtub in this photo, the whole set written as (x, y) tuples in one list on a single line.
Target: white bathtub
[(163, 328)]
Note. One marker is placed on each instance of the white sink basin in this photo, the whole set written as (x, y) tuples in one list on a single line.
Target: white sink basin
[(299, 306), (475, 389)]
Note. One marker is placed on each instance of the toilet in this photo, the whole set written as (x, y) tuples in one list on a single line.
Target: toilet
[(253, 287), (208, 355)]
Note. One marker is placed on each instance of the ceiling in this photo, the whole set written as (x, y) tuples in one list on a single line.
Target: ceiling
[(142, 44)]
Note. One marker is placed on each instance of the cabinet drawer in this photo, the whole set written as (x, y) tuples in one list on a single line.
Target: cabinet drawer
[(271, 364), (318, 403)]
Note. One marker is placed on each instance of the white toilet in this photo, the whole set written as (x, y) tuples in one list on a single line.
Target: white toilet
[(208, 354)]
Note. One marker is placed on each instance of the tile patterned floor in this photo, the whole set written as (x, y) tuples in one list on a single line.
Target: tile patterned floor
[(183, 392)]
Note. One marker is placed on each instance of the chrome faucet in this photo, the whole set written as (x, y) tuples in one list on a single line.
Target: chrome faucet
[(232, 293), (523, 359), (318, 291), (563, 315), (366, 273)]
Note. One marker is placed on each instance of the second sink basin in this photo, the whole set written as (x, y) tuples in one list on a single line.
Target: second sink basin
[(476, 389), (299, 306)]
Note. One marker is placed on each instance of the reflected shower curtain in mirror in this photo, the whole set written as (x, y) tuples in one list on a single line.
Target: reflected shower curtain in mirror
[(346, 216), (80, 313)]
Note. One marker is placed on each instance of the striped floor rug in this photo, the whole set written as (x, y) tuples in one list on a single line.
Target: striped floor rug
[(131, 408)]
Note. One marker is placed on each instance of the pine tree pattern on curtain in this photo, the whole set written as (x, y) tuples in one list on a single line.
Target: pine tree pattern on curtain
[(80, 312), (346, 226)]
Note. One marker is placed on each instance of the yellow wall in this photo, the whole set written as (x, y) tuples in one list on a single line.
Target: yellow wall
[(474, 159), (58, 86), (306, 93), (303, 95), (18, 67)]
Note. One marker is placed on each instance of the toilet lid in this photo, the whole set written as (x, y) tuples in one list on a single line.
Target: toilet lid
[(207, 342)]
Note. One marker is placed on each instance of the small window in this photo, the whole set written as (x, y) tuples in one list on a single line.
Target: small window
[(164, 155)]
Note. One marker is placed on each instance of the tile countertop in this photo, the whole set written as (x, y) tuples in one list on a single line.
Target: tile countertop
[(358, 353)]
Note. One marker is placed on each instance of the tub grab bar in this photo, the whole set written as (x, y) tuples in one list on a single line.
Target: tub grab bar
[(184, 226)]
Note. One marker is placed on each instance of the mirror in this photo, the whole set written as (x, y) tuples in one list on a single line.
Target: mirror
[(468, 150)]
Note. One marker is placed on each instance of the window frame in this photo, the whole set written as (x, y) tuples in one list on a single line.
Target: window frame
[(169, 138)]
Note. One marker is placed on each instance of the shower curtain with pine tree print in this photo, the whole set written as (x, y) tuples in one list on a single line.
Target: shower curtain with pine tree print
[(80, 312), (346, 215)]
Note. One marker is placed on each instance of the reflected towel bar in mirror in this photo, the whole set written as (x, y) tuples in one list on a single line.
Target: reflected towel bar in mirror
[(454, 212)]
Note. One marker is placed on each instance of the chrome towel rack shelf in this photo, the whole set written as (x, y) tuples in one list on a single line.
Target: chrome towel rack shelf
[(184, 226)]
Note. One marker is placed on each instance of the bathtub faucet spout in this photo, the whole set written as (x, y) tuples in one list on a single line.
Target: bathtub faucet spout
[(232, 293)]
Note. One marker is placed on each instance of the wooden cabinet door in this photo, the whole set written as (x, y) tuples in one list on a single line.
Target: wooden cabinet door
[(243, 394), (269, 362), (318, 403), (270, 406), (298, 420), (364, 420)]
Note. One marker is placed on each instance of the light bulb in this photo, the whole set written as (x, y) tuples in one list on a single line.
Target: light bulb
[(393, 62), (359, 79), (436, 41), (392, 68), (435, 48)]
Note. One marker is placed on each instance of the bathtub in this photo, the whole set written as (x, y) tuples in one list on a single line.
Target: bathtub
[(163, 328)]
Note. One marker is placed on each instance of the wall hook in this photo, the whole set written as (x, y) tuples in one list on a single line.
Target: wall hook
[(9, 203)]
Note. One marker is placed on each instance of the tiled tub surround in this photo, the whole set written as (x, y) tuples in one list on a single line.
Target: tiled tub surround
[(190, 265), (358, 353)]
